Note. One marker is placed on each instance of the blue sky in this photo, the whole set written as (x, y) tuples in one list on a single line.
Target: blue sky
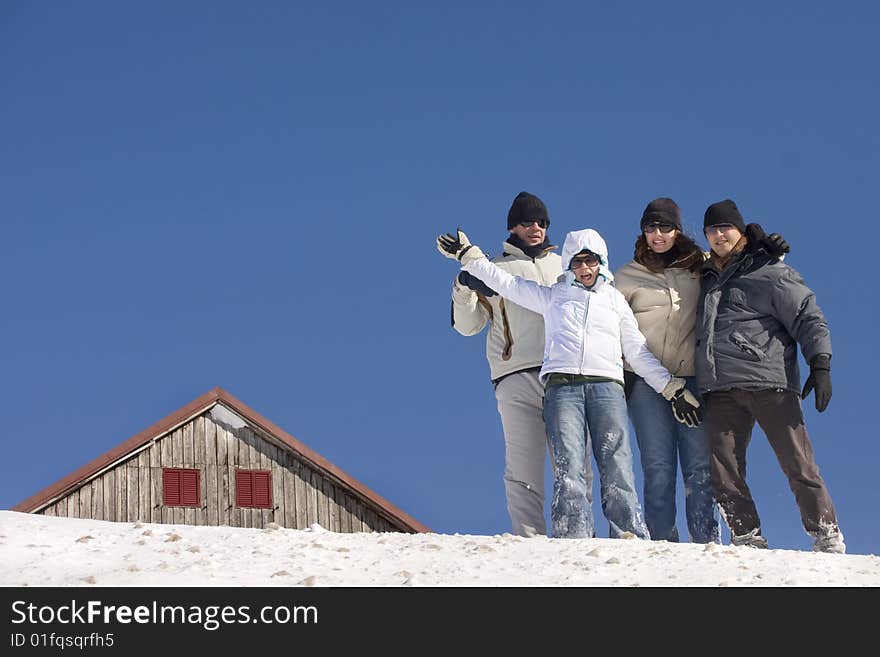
[(246, 195)]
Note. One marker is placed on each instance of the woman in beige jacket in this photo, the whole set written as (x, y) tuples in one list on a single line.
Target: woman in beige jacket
[(662, 286)]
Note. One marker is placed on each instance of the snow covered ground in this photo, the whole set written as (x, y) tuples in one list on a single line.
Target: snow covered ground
[(47, 551)]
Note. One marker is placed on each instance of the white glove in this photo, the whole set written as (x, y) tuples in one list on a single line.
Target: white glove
[(675, 384), (458, 247)]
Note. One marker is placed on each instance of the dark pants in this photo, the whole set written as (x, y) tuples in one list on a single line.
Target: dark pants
[(729, 419)]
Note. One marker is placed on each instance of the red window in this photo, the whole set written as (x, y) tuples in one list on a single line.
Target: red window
[(253, 489), (180, 487)]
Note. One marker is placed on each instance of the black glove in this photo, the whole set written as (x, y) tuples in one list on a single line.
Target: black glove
[(686, 408), (629, 380), (820, 380), (476, 284), (774, 244)]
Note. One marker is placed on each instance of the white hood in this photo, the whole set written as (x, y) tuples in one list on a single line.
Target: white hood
[(578, 240)]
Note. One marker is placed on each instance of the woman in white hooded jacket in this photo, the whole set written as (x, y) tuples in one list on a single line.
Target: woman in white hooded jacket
[(589, 328)]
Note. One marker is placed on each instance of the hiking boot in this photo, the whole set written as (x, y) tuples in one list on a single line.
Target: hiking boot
[(830, 543), (753, 540)]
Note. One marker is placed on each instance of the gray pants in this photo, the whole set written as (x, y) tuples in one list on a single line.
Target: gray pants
[(520, 403)]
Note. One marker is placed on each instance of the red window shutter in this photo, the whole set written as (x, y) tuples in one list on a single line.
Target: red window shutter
[(189, 487), (253, 489), (262, 487), (180, 487), (171, 487), (244, 495)]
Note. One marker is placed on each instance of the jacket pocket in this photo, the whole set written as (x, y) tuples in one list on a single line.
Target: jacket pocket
[(748, 349)]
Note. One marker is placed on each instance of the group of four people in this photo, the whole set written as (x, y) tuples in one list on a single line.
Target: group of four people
[(573, 348)]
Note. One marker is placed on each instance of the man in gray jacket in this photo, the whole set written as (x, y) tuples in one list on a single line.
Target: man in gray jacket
[(515, 351), (753, 313)]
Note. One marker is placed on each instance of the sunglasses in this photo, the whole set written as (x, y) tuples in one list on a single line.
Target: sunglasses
[(662, 226), (584, 261), (543, 223), (721, 228)]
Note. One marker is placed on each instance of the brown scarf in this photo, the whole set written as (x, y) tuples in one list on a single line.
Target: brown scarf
[(720, 263), (684, 254)]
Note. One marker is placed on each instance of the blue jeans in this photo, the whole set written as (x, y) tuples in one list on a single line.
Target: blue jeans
[(578, 415), (661, 439)]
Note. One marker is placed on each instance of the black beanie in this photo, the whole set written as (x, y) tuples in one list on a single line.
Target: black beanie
[(526, 207), (664, 210), (724, 212)]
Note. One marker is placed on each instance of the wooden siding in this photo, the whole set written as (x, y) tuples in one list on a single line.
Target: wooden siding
[(302, 494)]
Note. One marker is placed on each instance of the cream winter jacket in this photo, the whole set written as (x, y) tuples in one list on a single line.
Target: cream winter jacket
[(665, 306), (587, 331), (515, 340)]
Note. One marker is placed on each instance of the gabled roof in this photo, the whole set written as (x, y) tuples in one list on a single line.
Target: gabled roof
[(193, 409)]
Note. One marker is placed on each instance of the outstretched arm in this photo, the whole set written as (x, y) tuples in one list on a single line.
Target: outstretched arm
[(528, 294)]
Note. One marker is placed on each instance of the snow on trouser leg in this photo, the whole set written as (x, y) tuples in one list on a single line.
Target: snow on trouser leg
[(728, 431), (609, 434), (830, 540), (780, 416), (571, 510)]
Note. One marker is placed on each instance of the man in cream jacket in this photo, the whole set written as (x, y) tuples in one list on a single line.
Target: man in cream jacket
[(514, 346)]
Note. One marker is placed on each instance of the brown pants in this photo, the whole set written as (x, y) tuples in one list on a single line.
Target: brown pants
[(730, 418)]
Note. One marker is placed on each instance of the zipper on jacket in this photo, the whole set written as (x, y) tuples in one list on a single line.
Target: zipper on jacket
[(668, 317), (584, 341)]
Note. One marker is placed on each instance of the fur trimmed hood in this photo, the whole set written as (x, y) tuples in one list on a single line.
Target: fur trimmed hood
[(590, 240)]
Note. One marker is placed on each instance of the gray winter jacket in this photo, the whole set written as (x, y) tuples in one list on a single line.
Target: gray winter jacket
[(750, 319)]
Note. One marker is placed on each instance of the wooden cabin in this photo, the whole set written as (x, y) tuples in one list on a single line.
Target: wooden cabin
[(218, 462)]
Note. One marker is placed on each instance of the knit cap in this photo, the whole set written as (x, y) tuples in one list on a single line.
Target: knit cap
[(526, 207), (663, 210), (724, 212)]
